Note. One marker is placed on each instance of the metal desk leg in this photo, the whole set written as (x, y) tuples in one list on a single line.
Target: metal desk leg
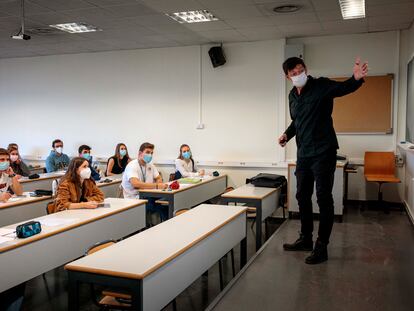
[(170, 207), (243, 252), (73, 292), (258, 224)]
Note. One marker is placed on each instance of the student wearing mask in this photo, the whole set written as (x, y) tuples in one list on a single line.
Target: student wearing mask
[(77, 189), (57, 160), (185, 165), (9, 183), (16, 162), (142, 174), (118, 162), (85, 152)]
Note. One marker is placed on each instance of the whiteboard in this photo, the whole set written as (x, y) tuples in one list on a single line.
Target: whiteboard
[(152, 95)]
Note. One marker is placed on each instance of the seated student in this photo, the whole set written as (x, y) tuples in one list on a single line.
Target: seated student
[(185, 165), (9, 183), (118, 162), (142, 174), (85, 152), (57, 160), (16, 162), (76, 188)]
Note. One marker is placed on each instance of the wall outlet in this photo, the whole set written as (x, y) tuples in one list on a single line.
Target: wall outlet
[(399, 160), (200, 126)]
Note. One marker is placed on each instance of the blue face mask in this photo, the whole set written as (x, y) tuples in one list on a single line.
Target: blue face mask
[(122, 152), (86, 156), (147, 158), (187, 155), (4, 165)]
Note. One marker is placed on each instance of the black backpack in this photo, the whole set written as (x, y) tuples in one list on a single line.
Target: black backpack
[(267, 180)]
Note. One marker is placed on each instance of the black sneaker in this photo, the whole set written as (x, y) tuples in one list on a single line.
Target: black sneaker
[(301, 244), (318, 255)]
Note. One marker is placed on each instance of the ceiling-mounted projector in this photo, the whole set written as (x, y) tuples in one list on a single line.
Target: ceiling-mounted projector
[(21, 37)]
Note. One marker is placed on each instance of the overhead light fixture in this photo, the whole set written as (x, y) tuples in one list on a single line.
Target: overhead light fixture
[(352, 9), (76, 27), (193, 16), (288, 8)]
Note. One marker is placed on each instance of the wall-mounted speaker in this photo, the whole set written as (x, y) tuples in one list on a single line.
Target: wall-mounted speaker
[(217, 56)]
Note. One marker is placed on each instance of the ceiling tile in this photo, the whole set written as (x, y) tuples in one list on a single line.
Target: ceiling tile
[(172, 6), (323, 5), (250, 22), (214, 25), (228, 12), (329, 15), (14, 9), (261, 33), (229, 35), (169, 29), (301, 29), (294, 18), (131, 10), (390, 9), (62, 5), (105, 3), (158, 19)]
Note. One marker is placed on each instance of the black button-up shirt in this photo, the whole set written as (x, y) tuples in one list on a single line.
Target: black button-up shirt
[(311, 114)]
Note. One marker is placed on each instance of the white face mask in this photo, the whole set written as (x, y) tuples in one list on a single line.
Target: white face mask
[(14, 157), (85, 173), (59, 150), (299, 80)]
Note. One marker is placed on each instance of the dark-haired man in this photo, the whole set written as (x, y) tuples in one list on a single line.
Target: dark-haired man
[(310, 106), (141, 173), (85, 152), (57, 160)]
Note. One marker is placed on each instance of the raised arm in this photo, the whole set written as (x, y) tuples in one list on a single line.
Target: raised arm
[(338, 89)]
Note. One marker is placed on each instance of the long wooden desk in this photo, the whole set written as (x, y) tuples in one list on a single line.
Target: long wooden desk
[(19, 209), (23, 259), (159, 263), (110, 189), (265, 200), (189, 195), (44, 182)]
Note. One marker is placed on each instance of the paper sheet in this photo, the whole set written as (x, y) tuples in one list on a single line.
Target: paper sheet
[(52, 222)]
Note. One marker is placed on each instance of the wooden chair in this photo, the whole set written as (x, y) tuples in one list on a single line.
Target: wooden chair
[(50, 208), (379, 167)]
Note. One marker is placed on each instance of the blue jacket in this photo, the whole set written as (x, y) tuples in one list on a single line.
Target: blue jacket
[(95, 175), (55, 163)]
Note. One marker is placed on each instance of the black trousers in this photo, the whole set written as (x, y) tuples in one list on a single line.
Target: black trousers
[(320, 170)]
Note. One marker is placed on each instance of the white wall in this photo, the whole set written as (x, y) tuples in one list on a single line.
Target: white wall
[(332, 56), (149, 95), (407, 172)]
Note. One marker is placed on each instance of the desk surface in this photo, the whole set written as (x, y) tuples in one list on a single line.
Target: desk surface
[(16, 201), (43, 176), (115, 179), (183, 187), (249, 191), (142, 254), (72, 219)]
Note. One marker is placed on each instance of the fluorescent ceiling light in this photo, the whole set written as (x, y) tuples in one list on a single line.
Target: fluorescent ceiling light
[(76, 27), (193, 16), (352, 9)]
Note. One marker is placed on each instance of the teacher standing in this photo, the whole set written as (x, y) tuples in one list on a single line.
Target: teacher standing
[(310, 106)]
